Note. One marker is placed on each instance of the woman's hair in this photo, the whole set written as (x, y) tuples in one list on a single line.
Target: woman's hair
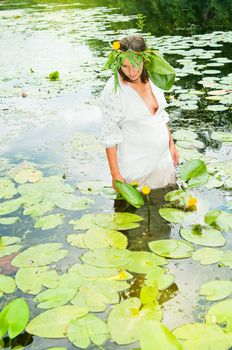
[(135, 43)]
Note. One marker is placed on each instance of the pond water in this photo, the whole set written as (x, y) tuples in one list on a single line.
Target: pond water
[(55, 126)]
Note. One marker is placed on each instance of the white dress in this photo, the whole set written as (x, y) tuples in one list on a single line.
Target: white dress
[(142, 139)]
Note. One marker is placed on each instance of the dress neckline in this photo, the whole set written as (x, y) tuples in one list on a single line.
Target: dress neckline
[(141, 99)]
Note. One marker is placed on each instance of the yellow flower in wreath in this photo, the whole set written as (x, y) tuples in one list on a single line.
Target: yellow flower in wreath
[(116, 45)]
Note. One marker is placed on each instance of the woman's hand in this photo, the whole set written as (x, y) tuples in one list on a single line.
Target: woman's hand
[(119, 178), (174, 154)]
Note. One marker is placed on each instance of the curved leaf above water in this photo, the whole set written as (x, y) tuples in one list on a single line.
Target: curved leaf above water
[(194, 172), (126, 319)]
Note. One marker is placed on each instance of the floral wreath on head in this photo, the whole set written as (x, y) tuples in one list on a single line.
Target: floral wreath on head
[(159, 70)]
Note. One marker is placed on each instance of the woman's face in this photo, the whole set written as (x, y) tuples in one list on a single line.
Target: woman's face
[(132, 72)]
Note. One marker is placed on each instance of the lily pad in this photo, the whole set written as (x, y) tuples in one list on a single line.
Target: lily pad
[(104, 257), (191, 144), (126, 319), (159, 277), (216, 108), (14, 317), (31, 279), (102, 237), (171, 248), (39, 209), (43, 325), (7, 188), (7, 285), (90, 187), (143, 262), (40, 255), (72, 202), (220, 313), (9, 221), (154, 333), (216, 290), (10, 206), (222, 136), (205, 236), (226, 259), (184, 135), (54, 297), (173, 215), (207, 256), (8, 246), (28, 175), (86, 330), (49, 221), (202, 336), (76, 240)]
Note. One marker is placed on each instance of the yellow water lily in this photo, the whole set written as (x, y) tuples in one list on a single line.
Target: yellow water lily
[(116, 45), (134, 183), (191, 202), (146, 190)]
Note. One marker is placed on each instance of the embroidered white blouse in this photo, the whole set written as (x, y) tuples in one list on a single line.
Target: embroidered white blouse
[(142, 139)]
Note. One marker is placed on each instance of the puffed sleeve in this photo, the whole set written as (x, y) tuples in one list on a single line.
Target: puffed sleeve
[(112, 115)]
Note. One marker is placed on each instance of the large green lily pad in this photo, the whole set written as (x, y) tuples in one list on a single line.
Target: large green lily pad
[(220, 313), (184, 135), (31, 279), (39, 209), (40, 255), (71, 202), (86, 330), (90, 187), (173, 215), (171, 248), (54, 297), (216, 290), (205, 236), (126, 319), (46, 325), (10, 206), (158, 276), (100, 237), (203, 336)]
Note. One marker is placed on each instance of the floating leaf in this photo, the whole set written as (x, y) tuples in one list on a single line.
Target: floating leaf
[(28, 175), (195, 172), (222, 136), (226, 259), (202, 336), (31, 279), (203, 236), (72, 202), (43, 325), (49, 221), (40, 255), (104, 257), (10, 206), (191, 144), (173, 215), (14, 317), (9, 221), (7, 285), (7, 188), (8, 246), (54, 297), (108, 192), (216, 290), (126, 319), (220, 313), (76, 240), (207, 256), (155, 334), (39, 209), (216, 108), (143, 262), (171, 248), (90, 187), (184, 135), (86, 330), (102, 237), (219, 219)]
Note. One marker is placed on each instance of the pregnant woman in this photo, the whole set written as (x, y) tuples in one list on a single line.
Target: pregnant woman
[(138, 143)]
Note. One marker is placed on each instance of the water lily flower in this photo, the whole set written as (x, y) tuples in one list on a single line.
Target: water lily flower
[(134, 184), (191, 202), (116, 45), (146, 190)]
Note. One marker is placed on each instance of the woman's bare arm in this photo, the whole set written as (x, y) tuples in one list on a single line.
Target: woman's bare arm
[(111, 153)]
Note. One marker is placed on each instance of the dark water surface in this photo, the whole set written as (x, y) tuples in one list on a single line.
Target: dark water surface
[(57, 124)]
